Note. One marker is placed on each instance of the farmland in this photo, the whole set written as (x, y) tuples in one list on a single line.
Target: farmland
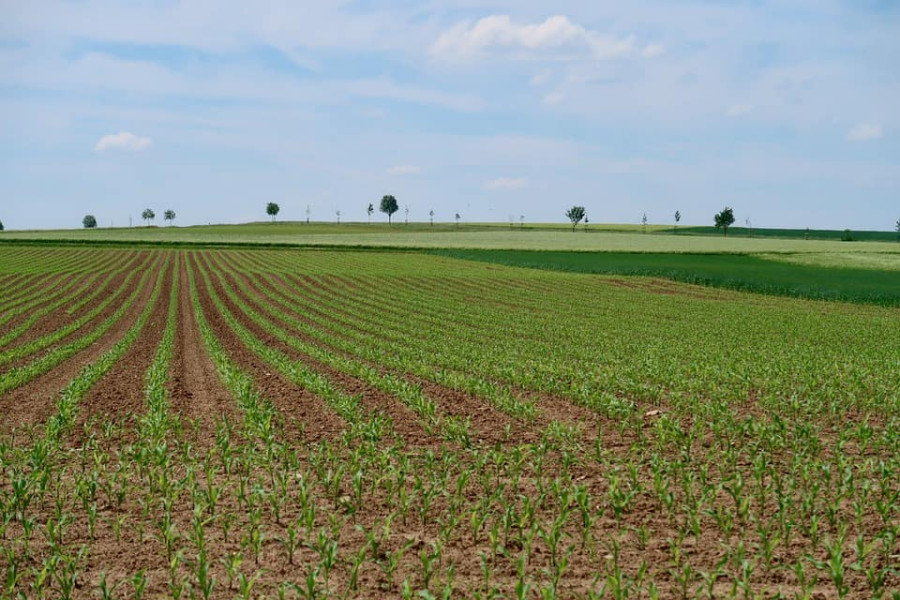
[(311, 423)]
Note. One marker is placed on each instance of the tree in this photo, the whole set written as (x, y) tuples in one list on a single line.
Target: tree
[(272, 210), (585, 222), (89, 221), (521, 221), (749, 227), (307, 214), (369, 211), (406, 212), (896, 226), (431, 216), (457, 217), (644, 222), (169, 216), (677, 219), (1, 225), (148, 215), (724, 220), (338, 213), (389, 206), (575, 214)]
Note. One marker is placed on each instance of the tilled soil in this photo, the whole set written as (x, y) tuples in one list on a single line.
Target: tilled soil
[(118, 550), (121, 391), (34, 402), (61, 318), (318, 419), (196, 392)]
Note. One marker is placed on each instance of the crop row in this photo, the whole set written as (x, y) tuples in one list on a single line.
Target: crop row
[(711, 495)]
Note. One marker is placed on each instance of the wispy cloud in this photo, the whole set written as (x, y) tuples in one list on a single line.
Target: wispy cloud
[(506, 183), (124, 140), (864, 132), (557, 37), (738, 110), (404, 170)]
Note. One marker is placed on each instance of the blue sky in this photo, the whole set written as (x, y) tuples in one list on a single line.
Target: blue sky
[(785, 110)]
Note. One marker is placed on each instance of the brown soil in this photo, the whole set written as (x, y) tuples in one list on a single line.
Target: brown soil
[(298, 406), (34, 402), (196, 392), (121, 391), (60, 318), (487, 424), (83, 287)]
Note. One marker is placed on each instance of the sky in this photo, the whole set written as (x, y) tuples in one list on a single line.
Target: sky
[(785, 110)]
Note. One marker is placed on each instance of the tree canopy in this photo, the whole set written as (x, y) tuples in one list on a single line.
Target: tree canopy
[(169, 215), (89, 221), (575, 214), (389, 206), (148, 215), (724, 219), (272, 210)]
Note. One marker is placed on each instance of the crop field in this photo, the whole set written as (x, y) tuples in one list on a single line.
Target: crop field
[(313, 423)]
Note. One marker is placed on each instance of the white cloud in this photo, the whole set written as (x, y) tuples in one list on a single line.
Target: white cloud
[(553, 98), (738, 110), (653, 50), (863, 132), (404, 170), (505, 183), (122, 141), (556, 37)]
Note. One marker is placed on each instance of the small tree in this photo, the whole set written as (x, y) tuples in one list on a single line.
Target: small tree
[(585, 222), (1, 225), (457, 217), (431, 216), (308, 210), (338, 213), (896, 226), (389, 206), (89, 221), (406, 214), (521, 221), (724, 220), (169, 216), (272, 210), (148, 215), (677, 219), (749, 227), (369, 212), (575, 214)]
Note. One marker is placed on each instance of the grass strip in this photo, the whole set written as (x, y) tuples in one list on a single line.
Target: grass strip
[(732, 271)]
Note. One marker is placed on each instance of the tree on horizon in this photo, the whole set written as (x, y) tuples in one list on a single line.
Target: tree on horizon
[(724, 220), (575, 214), (389, 206), (272, 210)]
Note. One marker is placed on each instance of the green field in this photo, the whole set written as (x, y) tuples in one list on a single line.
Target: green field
[(600, 238), (782, 275), (320, 423)]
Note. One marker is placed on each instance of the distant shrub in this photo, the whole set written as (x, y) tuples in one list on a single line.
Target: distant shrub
[(846, 236)]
